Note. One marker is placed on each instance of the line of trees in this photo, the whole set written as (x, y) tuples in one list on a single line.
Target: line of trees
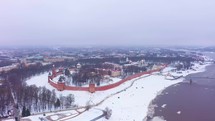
[(5, 99), (33, 99)]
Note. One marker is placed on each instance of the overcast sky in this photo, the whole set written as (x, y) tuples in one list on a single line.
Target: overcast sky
[(107, 22)]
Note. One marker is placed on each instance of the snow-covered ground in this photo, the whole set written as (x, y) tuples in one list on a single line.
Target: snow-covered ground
[(197, 68), (113, 80), (131, 104), (40, 81)]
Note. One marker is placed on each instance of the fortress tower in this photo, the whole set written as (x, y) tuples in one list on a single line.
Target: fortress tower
[(54, 73)]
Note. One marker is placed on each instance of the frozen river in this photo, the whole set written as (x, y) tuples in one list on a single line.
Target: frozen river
[(185, 102)]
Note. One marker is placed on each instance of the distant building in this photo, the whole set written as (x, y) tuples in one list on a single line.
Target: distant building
[(115, 73), (78, 66), (8, 68), (53, 59)]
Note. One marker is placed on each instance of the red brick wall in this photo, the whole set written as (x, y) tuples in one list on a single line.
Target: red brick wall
[(101, 88)]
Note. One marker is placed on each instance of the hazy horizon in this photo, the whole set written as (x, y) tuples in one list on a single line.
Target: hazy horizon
[(107, 23)]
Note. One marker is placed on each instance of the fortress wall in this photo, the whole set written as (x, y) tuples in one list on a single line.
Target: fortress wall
[(62, 86)]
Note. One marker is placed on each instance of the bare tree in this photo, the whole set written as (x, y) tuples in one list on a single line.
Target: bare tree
[(69, 100)]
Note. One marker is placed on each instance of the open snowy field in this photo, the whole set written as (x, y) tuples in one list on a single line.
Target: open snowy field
[(128, 105)]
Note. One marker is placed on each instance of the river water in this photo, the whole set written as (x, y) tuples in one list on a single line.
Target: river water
[(189, 102)]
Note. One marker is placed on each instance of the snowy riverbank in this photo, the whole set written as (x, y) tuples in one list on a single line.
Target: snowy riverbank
[(130, 104), (197, 67), (133, 103)]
